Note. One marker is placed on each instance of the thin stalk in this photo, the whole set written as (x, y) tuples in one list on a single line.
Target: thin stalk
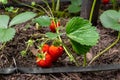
[(68, 53), (44, 10), (27, 47), (114, 3), (48, 7), (27, 5), (57, 5), (85, 60), (3, 46), (53, 5), (44, 41), (92, 10), (70, 56), (106, 49)]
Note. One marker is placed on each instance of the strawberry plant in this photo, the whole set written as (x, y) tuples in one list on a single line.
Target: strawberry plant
[(80, 32), (7, 31)]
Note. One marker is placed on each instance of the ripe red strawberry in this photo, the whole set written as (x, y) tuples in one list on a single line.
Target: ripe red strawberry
[(60, 49), (45, 48), (105, 1), (54, 25), (55, 52), (45, 60)]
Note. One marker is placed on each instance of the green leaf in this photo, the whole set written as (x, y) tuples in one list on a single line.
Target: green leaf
[(82, 32), (111, 19), (76, 23), (80, 49), (4, 1), (23, 17), (6, 34), (43, 21), (51, 35), (4, 19), (76, 2), (74, 8)]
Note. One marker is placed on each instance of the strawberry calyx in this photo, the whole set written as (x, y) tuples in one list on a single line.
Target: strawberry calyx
[(44, 60), (41, 56)]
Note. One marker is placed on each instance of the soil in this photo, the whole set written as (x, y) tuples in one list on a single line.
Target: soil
[(10, 56)]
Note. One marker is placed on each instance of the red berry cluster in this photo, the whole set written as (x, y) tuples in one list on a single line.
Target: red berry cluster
[(50, 54)]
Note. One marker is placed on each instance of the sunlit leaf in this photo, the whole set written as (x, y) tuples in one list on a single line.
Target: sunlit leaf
[(81, 34), (82, 31), (74, 8), (43, 21), (6, 34), (51, 35), (4, 19), (23, 17), (111, 19)]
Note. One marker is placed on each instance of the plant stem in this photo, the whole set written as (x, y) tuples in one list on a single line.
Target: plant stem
[(53, 5), (44, 10), (57, 5), (85, 60), (3, 46), (106, 49), (92, 9), (27, 5), (68, 53), (27, 47), (114, 3), (45, 1)]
